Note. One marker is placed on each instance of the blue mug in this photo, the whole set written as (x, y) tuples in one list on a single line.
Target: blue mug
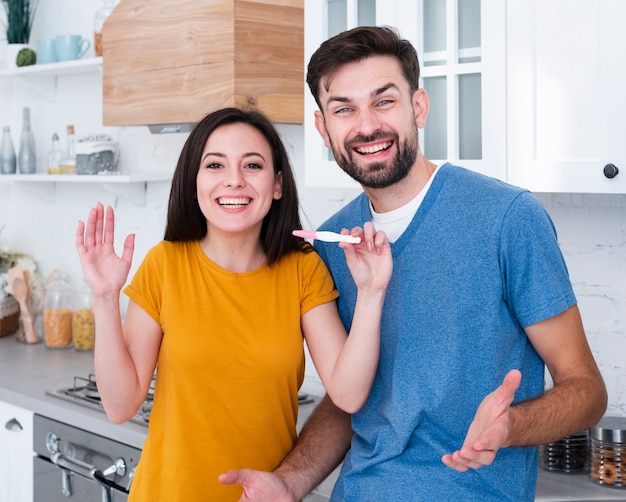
[(69, 47), (46, 51)]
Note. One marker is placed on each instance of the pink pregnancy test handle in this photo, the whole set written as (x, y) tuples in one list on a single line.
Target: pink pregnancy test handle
[(326, 236)]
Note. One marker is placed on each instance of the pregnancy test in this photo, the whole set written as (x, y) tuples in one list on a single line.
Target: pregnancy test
[(326, 236)]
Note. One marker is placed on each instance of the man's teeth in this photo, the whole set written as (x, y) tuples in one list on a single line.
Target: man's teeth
[(234, 203), (374, 148)]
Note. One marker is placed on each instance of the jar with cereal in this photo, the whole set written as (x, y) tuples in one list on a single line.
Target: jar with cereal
[(83, 327), (57, 312)]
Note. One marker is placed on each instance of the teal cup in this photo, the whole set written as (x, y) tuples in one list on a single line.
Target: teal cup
[(46, 51), (69, 47)]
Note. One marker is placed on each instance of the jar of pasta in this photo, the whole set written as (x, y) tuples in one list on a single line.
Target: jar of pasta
[(57, 312), (83, 327)]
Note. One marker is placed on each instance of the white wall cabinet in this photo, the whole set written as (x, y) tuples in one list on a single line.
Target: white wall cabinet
[(16, 454), (461, 46), (566, 79)]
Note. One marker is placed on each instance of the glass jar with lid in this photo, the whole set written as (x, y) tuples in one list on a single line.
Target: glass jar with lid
[(101, 16), (83, 326), (57, 312), (608, 452)]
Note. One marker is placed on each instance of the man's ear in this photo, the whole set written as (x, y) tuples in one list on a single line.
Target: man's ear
[(421, 105), (320, 125)]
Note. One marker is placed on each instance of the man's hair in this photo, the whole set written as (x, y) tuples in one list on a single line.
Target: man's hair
[(358, 44)]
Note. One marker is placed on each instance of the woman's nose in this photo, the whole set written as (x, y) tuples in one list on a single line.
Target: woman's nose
[(234, 178)]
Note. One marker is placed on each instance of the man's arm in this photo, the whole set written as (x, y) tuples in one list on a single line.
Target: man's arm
[(320, 447), (577, 400)]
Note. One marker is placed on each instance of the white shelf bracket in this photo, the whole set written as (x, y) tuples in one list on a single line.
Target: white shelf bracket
[(46, 191), (135, 192)]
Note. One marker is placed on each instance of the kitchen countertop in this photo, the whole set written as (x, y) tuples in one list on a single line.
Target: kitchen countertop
[(27, 371)]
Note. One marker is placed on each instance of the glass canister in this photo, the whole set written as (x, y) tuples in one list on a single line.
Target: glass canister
[(83, 326), (608, 452), (57, 312), (569, 454), (101, 16)]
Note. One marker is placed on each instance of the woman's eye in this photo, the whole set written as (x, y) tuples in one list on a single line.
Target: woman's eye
[(213, 165), (254, 165)]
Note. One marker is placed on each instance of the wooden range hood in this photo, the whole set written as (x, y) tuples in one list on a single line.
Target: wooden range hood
[(172, 62)]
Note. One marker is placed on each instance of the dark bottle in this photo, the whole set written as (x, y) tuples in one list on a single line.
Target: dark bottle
[(27, 159)]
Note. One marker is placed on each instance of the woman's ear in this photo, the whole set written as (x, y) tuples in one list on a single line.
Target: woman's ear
[(278, 186)]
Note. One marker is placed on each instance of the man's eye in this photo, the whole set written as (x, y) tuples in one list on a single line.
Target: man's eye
[(385, 102), (342, 110)]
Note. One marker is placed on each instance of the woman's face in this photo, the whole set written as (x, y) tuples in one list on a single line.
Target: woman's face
[(236, 183)]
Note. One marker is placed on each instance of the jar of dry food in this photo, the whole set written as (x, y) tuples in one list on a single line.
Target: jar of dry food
[(608, 452), (57, 313), (569, 454), (83, 327)]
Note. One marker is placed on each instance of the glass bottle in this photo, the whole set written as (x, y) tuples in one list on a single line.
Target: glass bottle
[(57, 312), (101, 16), (83, 325), (68, 162), (55, 156), (27, 159), (8, 161)]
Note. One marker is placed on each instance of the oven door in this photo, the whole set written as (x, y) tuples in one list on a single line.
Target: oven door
[(53, 483)]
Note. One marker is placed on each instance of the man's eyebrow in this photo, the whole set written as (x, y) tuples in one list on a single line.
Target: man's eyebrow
[(373, 94)]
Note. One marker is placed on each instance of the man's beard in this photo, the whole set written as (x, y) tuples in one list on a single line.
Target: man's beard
[(379, 175)]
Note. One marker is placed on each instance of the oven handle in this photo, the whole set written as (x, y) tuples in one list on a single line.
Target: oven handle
[(88, 470), (91, 472)]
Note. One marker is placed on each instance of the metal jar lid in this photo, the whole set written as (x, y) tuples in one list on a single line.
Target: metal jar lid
[(610, 429)]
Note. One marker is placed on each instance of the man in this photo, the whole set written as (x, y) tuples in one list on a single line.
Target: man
[(480, 299)]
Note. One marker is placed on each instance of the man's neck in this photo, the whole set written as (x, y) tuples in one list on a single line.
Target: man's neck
[(387, 199)]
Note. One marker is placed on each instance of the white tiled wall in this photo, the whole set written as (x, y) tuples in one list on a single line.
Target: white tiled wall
[(591, 228)]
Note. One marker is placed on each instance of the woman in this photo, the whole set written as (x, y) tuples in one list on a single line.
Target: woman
[(221, 306)]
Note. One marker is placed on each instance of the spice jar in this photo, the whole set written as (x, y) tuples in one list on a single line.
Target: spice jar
[(83, 327), (608, 452), (57, 312)]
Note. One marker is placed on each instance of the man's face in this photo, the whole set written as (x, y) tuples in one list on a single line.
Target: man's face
[(368, 119)]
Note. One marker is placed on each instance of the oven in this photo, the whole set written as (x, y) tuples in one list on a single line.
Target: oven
[(73, 463)]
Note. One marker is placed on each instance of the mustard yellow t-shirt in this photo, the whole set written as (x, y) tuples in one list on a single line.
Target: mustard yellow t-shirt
[(229, 368)]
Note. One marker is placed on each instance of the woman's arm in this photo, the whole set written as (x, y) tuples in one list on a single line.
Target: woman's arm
[(124, 358), (347, 366)]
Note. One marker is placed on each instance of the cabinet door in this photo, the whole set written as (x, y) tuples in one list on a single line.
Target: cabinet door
[(16, 454), (566, 79), (461, 46)]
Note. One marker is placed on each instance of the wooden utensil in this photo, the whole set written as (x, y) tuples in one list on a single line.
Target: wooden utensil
[(21, 294)]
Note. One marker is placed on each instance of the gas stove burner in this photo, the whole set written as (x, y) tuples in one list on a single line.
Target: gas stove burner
[(85, 392), (90, 389)]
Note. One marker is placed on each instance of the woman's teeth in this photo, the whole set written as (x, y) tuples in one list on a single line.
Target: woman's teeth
[(233, 203)]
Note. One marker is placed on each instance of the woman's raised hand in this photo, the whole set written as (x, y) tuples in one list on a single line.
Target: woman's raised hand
[(104, 272), (370, 261)]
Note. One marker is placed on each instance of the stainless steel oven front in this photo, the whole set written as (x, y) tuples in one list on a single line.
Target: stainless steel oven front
[(73, 463)]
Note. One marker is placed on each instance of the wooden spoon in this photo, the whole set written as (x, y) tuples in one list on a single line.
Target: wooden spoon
[(20, 292)]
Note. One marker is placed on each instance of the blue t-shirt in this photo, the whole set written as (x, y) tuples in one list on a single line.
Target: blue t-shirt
[(479, 262)]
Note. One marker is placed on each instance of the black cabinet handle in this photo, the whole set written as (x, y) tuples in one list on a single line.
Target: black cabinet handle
[(610, 171)]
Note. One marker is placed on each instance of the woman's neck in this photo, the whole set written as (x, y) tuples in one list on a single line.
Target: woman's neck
[(238, 253)]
